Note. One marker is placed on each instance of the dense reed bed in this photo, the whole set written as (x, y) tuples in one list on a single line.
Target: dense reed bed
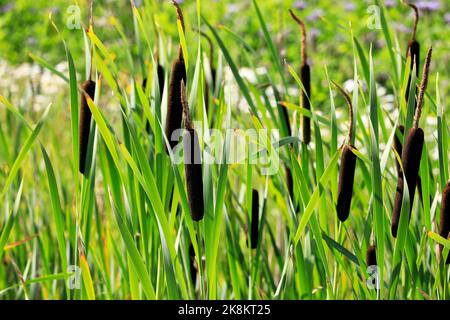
[(283, 184)]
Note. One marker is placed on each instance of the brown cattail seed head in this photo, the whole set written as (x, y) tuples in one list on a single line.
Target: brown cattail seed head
[(174, 107), (192, 163), (305, 76), (371, 256), (413, 51), (412, 152), (445, 217), (254, 231), (346, 179), (192, 264), (85, 122)]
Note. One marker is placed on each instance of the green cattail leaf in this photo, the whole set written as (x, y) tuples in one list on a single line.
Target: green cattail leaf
[(273, 52), (87, 278), (48, 66), (362, 60), (312, 204), (10, 220), (439, 239), (56, 207), (24, 151), (234, 69), (135, 257), (183, 44)]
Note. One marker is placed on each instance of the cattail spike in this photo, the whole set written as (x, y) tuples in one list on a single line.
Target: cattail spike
[(346, 180), (88, 88), (423, 87), (174, 105), (192, 163), (184, 103), (303, 30), (371, 255), (411, 154), (350, 110), (254, 230)]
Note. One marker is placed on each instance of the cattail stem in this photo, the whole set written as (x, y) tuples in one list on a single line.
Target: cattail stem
[(350, 110), (91, 23), (416, 18), (423, 87), (303, 30), (179, 13)]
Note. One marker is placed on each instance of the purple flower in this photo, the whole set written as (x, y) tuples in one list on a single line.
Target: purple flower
[(389, 3), (350, 6), (447, 17), (400, 27), (428, 5), (232, 8), (7, 7), (300, 5), (315, 14), (179, 1), (314, 33)]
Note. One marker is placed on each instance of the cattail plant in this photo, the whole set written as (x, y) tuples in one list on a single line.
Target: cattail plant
[(88, 88), (348, 165), (305, 77), (254, 230), (444, 231), (412, 152), (174, 106), (371, 255), (192, 162), (413, 49)]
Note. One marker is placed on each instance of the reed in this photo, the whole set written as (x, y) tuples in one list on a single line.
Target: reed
[(348, 166), (174, 105), (88, 88), (192, 163), (305, 77), (411, 154)]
